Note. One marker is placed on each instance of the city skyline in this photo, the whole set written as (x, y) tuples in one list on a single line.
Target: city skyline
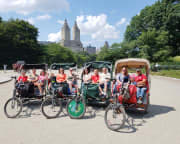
[(99, 21)]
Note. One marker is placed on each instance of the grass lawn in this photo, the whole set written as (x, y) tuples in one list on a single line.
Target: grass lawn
[(168, 73)]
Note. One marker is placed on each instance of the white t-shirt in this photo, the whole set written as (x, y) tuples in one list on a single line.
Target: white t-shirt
[(86, 77), (103, 77)]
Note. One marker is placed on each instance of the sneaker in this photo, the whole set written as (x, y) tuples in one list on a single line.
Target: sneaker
[(139, 101)]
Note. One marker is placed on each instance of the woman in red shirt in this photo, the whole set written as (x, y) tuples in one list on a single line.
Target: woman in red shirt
[(95, 79), (61, 77), (23, 77)]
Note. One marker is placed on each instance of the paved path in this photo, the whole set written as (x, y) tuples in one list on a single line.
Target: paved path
[(5, 76), (159, 126)]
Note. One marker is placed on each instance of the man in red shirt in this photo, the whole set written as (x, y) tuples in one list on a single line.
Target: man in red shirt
[(23, 77), (141, 82), (95, 77)]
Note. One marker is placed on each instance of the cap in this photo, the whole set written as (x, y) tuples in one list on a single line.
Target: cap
[(138, 70)]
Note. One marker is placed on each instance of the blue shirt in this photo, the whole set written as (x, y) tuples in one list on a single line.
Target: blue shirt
[(122, 78)]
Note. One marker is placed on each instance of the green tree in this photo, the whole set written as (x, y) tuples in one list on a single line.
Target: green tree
[(18, 41), (54, 53), (153, 45), (164, 15)]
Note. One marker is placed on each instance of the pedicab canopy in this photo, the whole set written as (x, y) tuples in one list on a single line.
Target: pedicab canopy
[(99, 65), (132, 63), (65, 66), (34, 66)]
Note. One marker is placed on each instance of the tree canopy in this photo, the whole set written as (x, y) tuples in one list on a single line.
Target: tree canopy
[(162, 20), (153, 34), (18, 41)]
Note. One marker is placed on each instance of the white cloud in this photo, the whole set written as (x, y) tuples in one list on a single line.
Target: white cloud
[(60, 22), (97, 27), (122, 21), (54, 37), (43, 17), (29, 6), (32, 20)]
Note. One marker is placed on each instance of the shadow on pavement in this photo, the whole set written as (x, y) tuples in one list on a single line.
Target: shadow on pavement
[(136, 119), (155, 110), (31, 108)]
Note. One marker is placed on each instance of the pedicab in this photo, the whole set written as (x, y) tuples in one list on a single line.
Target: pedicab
[(115, 115), (89, 92), (58, 93), (24, 92)]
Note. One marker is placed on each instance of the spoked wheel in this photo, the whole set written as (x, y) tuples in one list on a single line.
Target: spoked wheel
[(76, 108), (51, 108), (115, 117), (13, 107)]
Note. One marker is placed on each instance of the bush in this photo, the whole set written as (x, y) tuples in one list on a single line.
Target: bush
[(176, 59)]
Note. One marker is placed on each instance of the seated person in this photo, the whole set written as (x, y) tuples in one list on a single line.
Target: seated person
[(52, 80), (61, 76), (22, 77), (86, 75), (122, 78), (41, 81), (104, 80), (33, 77), (95, 79), (73, 80), (141, 81)]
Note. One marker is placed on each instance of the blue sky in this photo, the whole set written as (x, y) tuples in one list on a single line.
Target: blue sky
[(99, 20)]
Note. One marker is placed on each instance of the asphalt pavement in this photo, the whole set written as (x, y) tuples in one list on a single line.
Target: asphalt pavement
[(159, 126)]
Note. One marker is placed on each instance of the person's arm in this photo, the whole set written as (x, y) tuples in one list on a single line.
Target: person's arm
[(65, 79), (143, 82), (57, 78), (118, 79)]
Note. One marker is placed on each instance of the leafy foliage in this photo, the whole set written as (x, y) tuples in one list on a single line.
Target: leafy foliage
[(18, 41), (54, 53), (157, 30), (154, 34)]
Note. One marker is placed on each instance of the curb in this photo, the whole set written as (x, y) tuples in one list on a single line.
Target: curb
[(171, 78), (6, 81)]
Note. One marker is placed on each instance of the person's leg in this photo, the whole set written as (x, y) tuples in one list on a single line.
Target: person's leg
[(143, 91), (100, 89), (39, 87), (139, 95), (138, 92), (70, 86), (105, 87)]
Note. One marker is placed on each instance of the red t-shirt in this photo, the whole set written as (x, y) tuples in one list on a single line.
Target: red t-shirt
[(95, 78), (22, 78), (141, 78), (61, 77)]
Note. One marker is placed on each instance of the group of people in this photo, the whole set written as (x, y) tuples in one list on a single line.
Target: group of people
[(34, 78), (39, 80), (102, 78), (139, 80)]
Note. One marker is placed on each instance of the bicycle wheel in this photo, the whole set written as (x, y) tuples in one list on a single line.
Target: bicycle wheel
[(115, 117), (51, 108), (76, 108), (13, 107)]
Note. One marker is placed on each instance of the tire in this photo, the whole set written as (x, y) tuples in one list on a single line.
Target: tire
[(51, 105), (116, 112), (74, 111), (13, 103)]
